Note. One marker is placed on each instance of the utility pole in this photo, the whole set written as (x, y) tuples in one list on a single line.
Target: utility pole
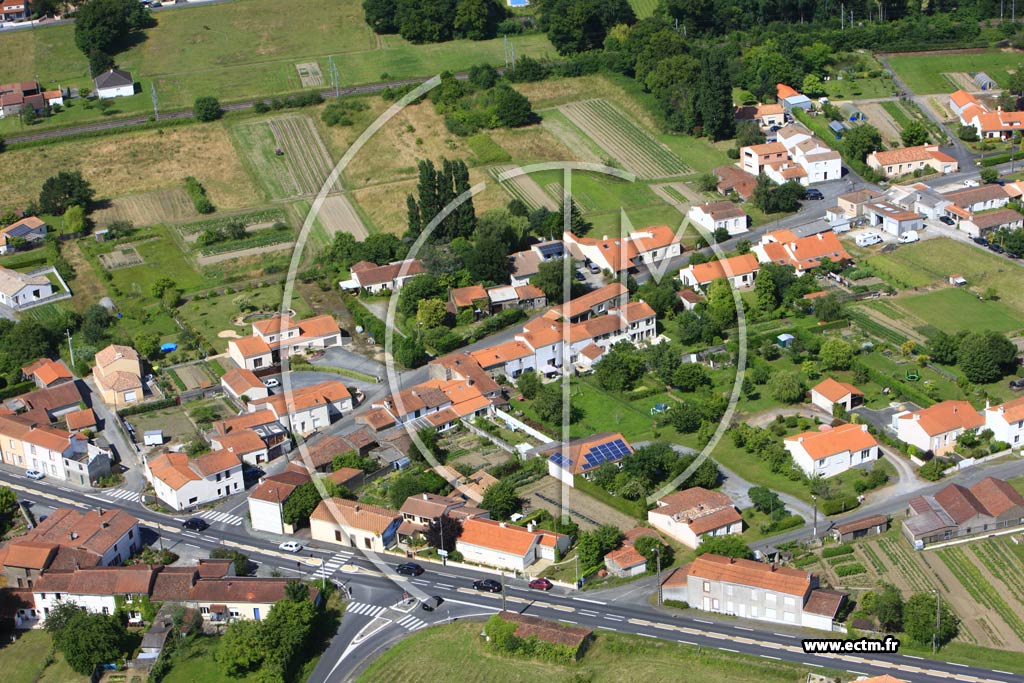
[(502, 574), (506, 50), (577, 558), (152, 95), (815, 501), (332, 69), (842, 16), (938, 619), (71, 350), (323, 575), (658, 556)]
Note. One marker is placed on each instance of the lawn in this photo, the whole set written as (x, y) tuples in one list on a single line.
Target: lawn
[(162, 257), (434, 653), (924, 74), (953, 309), (247, 48), (214, 314), (859, 89), (24, 661), (931, 261), (195, 662), (643, 8)]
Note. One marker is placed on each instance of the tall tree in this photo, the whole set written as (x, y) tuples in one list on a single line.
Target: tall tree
[(488, 261), (716, 108), (425, 22), (501, 500), (104, 25), (860, 141), (67, 188), (478, 19), (581, 25), (919, 620), (721, 307), (380, 15), (730, 546)]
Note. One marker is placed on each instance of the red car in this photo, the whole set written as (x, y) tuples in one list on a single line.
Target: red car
[(541, 584)]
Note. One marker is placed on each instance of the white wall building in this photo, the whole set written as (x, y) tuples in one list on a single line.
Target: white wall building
[(182, 483), (1006, 421), (832, 451)]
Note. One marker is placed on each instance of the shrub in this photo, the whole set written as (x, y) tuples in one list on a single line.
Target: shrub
[(838, 550), (197, 193), (849, 570), (838, 505)]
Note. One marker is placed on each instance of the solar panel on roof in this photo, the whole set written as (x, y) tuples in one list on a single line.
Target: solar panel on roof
[(550, 250)]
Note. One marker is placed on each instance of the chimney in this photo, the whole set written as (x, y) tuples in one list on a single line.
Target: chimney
[(773, 567), (954, 408), (73, 536), (732, 560), (917, 417), (425, 497), (503, 525), (104, 524), (531, 526)]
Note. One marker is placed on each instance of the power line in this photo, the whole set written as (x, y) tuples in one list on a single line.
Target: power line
[(152, 95)]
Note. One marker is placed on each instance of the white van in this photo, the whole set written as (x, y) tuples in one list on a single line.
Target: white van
[(908, 237)]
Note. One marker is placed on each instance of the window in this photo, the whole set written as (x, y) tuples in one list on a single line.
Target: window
[(234, 612), (106, 610), (192, 500), (131, 533), (728, 590), (789, 602), (707, 586), (204, 610), (337, 536), (715, 605)]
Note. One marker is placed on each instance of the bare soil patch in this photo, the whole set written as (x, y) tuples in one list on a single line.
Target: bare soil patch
[(880, 119), (962, 80), (526, 189), (581, 503), (310, 74), (193, 376), (338, 215), (124, 256), (242, 253)]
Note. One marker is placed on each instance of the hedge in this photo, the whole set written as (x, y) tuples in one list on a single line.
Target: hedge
[(263, 238), (16, 389), (627, 507), (251, 218), (197, 193), (838, 505), (371, 324), (148, 407)]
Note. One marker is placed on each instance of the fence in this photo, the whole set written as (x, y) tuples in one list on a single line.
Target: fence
[(518, 425), (487, 435)]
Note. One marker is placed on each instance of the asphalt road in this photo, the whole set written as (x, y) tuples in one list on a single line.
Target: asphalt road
[(375, 588)]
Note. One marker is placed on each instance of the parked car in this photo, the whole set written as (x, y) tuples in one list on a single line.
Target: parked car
[(1011, 254), (971, 183), (34, 474), (947, 220), (595, 269), (580, 276), (1017, 384), (981, 241), (541, 584), (814, 193), (908, 237), (840, 228), (868, 239), (487, 585), (997, 248), (290, 547), (409, 569), (432, 603), (271, 383), (195, 524)]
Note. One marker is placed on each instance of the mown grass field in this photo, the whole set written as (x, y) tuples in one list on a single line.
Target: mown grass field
[(247, 48), (23, 661), (432, 654), (951, 310), (924, 73), (212, 315), (932, 261)]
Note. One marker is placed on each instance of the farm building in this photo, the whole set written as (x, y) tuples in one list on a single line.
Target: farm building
[(957, 511), (859, 528), (829, 393), (838, 127)]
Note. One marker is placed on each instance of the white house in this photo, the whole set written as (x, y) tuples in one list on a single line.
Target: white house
[(246, 444), (833, 450), (266, 501), (936, 428), (307, 409), (20, 290), (621, 253), (377, 279), (181, 482), (110, 535), (282, 336), (30, 229), (507, 546), (740, 270), (690, 515), (754, 159), (97, 589), (239, 382), (1006, 421), (582, 457), (829, 393), (354, 524), (114, 83), (897, 162), (719, 215), (56, 452), (991, 221), (754, 590), (819, 161)]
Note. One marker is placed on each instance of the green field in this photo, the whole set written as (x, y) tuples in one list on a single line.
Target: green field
[(214, 314), (923, 74), (643, 8), (932, 261), (24, 661), (433, 654), (242, 49), (951, 310)]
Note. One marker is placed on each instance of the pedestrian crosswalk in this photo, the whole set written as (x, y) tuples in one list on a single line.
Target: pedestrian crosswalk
[(330, 567), (364, 609), (123, 494), (223, 518), (411, 623)]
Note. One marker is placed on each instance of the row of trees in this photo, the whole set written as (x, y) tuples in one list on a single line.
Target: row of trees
[(433, 22), (105, 27), (982, 356)]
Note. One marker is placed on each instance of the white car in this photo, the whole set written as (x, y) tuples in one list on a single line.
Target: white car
[(868, 239), (290, 547), (971, 183), (34, 474), (908, 237), (271, 383)]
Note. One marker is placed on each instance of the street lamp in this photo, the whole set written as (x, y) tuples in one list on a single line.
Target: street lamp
[(814, 499), (938, 619), (657, 551)]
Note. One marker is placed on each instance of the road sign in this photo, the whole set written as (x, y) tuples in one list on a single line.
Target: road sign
[(442, 553)]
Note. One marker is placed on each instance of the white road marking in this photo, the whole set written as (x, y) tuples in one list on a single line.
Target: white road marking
[(647, 635), (596, 602), (784, 635), (687, 642), (913, 657), (770, 657), (705, 622), (744, 628), (728, 650)]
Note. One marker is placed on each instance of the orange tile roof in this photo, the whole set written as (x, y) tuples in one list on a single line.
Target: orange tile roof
[(946, 417), (47, 371), (214, 462), (733, 266), (277, 488), (904, 155), (378, 419), (250, 346), (700, 509), (240, 380), (782, 91), (50, 438), (498, 536), (378, 275), (1011, 411), (96, 531), (592, 351), (240, 442), (27, 554), (833, 440), (997, 496), (275, 324), (576, 450), (767, 149), (625, 557), (749, 573), (581, 304), (119, 380), (529, 292), (114, 352), (782, 246), (245, 421), (768, 110), (131, 580), (322, 393), (351, 513), (997, 218), (502, 353), (961, 98), (465, 296), (81, 419), (834, 390), (636, 310), (173, 470), (318, 326)]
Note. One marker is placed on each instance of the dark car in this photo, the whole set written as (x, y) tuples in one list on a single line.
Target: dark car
[(580, 276), (814, 194), (947, 220), (997, 248), (1011, 254), (1017, 384), (981, 241), (432, 603), (541, 584), (195, 524), (487, 585), (409, 569)]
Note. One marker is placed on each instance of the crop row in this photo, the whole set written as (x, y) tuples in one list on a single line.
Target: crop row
[(906, 565), (1002, 565), (252, 218), (979, 588), (304, 153), (872, 555), (263, 238), (849, 570), (875, 328), (836, 551)]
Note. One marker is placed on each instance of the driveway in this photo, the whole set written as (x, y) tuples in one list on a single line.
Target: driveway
[(881, 418)]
